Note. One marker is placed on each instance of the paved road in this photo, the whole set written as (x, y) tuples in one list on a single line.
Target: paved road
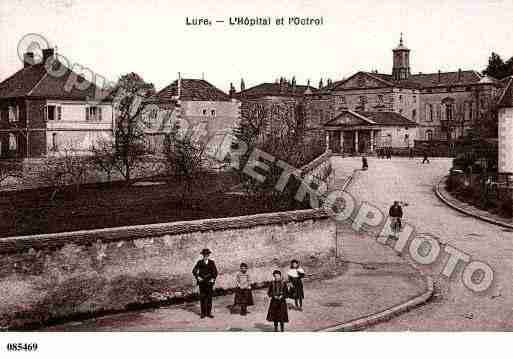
[(456, 308), (354, 291)]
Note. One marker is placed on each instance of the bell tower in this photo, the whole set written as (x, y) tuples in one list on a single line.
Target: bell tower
[(401, 69)]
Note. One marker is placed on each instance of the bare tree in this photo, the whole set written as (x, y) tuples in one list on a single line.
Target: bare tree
[(185, 157), (9, 168), (104, 156), (67, 169), (130, 141)]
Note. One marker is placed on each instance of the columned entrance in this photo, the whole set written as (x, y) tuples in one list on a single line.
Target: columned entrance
[(352, 141)]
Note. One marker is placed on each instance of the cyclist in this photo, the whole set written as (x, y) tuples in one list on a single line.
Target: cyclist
[(396, 214)]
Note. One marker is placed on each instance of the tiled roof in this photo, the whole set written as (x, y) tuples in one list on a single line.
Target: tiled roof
[(434, 79), (35, 82), (275, 89), (420, 81), (381, 118), (191, 90), (387, 118), (444, 78)]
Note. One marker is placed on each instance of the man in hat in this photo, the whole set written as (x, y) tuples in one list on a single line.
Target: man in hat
[(205, 272)]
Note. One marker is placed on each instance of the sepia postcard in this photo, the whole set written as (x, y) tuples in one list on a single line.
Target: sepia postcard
[(254, 166)]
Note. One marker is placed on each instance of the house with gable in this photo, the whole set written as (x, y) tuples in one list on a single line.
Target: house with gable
[(41, 113)]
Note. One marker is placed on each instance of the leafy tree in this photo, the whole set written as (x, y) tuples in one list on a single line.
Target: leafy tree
[(497, 68)]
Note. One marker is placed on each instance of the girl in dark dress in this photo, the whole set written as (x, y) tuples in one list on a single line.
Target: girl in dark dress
[(278, 312), (243, 295), (296, 275)]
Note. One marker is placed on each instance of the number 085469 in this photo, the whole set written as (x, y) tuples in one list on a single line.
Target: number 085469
[(21, 347)]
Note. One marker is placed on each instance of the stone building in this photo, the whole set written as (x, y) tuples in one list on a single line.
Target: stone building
[(195, 105), (46, 107), (442, 104), (287, 105), (362, 132)]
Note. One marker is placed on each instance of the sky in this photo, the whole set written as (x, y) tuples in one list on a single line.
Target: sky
[(150, 37)]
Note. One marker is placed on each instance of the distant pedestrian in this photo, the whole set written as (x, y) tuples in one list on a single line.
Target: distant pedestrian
[(243, 295), (278, 311), (365, 164), (205, 272), (425, 158), (296, 275)]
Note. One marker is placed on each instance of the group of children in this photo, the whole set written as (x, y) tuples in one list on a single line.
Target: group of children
[(278, 292)]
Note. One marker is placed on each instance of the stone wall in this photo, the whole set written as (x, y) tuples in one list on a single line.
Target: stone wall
[(46, 277)]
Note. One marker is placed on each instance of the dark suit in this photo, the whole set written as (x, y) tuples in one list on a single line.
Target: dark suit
[(205, 274)]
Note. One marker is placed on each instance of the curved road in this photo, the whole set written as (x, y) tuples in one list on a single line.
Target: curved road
[(454, 307)]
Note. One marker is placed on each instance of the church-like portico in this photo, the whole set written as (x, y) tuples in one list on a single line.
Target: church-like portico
[(354, 132)]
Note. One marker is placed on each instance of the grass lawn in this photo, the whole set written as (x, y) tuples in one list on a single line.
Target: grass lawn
[(119, 204)]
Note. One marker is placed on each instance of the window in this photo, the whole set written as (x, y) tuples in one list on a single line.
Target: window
[(380, 99), (213, 112), (414, 99), (14, 113), (438, 112), (53, 113), (204, 112), (13, 142), (93, 113), (414, 115), (448, 111), (343, 100), (54, 142), (363, 101), (430, 115), (429, 135), (401, 98), (470, 111)]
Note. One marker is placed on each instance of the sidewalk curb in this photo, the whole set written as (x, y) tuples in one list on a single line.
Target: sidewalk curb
[(441, 197), (387, 314), (369, 320)]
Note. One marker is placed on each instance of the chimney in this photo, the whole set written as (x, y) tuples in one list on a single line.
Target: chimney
[(242, 85), (459, 75), (439, 76), (232, 90), (28, 59), (179, 85), (47, 53)]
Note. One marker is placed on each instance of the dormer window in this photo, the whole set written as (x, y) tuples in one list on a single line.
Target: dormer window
[(53, 113), (204, 112), (93, 113), (212, 112)]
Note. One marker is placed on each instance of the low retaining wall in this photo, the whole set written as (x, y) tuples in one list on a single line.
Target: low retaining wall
[(45, 277), (320, 169)]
